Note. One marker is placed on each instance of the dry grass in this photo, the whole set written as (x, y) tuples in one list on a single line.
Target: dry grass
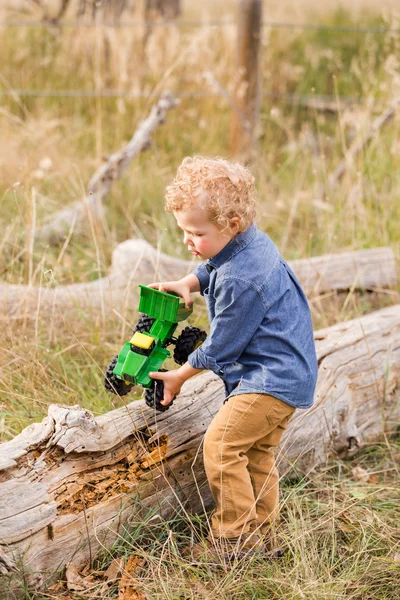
[(342, 535), (51, 147)]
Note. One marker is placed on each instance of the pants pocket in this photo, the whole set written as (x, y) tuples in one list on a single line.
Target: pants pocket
[(280, 413)]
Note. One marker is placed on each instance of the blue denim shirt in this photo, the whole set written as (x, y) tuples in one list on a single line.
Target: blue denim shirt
[(261, 338)]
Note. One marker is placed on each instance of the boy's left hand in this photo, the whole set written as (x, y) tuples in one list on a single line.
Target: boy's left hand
[(172, 384)]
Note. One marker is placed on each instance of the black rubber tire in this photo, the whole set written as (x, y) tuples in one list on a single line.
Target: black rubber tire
[(114, 384), (186, 342), (144, 323), (155, 394)]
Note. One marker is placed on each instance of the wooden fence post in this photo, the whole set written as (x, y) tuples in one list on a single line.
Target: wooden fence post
[(248, 89)]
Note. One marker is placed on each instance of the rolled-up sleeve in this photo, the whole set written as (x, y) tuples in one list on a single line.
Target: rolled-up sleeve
[(203, 276), (239, 311)]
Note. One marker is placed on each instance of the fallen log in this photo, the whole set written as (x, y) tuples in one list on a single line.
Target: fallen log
[(69, 486), (136, 261), (133, 261)]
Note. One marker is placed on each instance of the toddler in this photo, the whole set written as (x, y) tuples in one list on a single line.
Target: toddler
[(260, 344)]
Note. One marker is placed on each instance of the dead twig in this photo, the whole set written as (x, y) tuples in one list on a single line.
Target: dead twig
[(215, 85), (359, 144), (76, 215)]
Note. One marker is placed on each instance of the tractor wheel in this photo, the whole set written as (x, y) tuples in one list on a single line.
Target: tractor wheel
[(144, 323), (155, 394), (189, 339), (114, 384)]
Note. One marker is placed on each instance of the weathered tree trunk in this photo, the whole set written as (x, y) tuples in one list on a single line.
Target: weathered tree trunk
[(136, 261), (71, 484)]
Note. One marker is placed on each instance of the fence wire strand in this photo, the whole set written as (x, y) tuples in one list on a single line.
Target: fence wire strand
[(90, 93), (288, 97), (199, 23)]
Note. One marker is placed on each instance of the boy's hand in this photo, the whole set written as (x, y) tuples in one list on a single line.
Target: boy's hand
[(172, 384), (180, 287)]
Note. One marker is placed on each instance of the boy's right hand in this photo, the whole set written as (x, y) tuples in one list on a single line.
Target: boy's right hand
[(178, 287)]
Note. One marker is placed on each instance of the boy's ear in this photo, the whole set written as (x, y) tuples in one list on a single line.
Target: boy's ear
[(235, 224)]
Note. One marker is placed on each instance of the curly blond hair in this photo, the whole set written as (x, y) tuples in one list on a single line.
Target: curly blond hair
[(229, 190)]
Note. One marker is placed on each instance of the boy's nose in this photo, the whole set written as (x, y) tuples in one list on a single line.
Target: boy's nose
[(186, 239)]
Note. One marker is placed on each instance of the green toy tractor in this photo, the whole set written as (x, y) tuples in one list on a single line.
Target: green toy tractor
[(146, 350)]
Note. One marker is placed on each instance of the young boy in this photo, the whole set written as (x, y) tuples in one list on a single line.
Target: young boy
[(260, 343)]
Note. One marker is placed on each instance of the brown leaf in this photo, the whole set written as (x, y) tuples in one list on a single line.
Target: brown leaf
[(373, 478), (114, 569), (128, 584), (85, 571), (75, 582), (57, 590)]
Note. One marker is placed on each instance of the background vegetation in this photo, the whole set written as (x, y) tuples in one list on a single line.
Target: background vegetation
[(343, 533)]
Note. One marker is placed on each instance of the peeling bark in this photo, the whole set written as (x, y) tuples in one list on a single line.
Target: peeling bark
[(71, 484)]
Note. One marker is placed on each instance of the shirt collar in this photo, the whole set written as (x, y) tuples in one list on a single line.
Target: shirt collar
[(237, 244)]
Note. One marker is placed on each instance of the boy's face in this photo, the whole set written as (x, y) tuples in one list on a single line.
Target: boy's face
[(201, 235)]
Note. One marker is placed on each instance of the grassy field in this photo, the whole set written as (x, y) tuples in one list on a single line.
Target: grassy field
[(343, 534)]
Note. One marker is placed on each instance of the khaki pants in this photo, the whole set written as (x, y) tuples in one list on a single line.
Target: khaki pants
[(239, 460)]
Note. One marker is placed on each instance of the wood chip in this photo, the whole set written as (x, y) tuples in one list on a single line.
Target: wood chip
[(156, 456)]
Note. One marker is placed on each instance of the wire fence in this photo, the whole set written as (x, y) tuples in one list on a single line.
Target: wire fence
[(323, 100), (200, 23), (331, 101)]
